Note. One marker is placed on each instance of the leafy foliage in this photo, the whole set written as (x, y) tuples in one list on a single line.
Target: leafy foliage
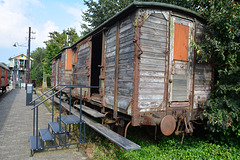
[(37, 64), (55, 44), (222, 44), (99, 11), (4, 63), (98, 147)]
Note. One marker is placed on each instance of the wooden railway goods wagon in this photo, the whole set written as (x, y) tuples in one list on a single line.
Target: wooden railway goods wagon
[(4, 77), (62, 68), (144, 62)]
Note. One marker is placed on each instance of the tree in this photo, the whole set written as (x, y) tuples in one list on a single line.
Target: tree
[(101, 10), (222, 44), (4, 63), (55, 44), (37, 66)]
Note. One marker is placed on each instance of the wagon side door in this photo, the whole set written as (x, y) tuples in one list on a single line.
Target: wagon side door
[(181, 62)]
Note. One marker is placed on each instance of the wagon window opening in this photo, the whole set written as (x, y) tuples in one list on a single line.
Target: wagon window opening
[(96, 62)]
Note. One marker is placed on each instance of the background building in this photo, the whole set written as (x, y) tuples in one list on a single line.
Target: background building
[(18, 67)]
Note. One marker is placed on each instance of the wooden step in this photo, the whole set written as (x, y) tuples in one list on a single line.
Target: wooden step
[(90, 111), (106, 132), (85, 109), (111, 135), (64, 98), (46, 135), (64, 104)]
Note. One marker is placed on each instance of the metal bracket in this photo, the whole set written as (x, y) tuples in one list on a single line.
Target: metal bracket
[(141, 51)]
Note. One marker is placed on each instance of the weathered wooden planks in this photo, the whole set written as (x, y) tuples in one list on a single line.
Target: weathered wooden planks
[(83, 59), (110, 42), (152, 62), (126, 59)]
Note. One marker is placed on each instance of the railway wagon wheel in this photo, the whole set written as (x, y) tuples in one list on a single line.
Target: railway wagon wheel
[(168, 125)]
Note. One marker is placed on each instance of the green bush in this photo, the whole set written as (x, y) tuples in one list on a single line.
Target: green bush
[(222, 45)]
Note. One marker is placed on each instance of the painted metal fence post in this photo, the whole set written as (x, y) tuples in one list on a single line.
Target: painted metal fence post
[(60, 110), (80, 128), (52, 105), (80, 104), (34, 120), (37, 129), (70, 101)]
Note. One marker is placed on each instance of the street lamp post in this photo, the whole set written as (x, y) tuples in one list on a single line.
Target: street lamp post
[(29, 87), (16, 44), (17, 72), (28, 52)]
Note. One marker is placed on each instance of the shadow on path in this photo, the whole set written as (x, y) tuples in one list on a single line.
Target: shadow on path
[(6, 103)]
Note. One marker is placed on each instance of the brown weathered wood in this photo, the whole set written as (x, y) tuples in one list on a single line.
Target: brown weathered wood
[(110, 43), (115, 110), (90, 111)]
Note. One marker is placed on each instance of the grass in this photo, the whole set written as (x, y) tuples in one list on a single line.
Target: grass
[(98, 147), (47, 103)]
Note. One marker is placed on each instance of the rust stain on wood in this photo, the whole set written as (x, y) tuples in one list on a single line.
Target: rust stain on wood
[(60, 63), (76, 56), (116, 74)]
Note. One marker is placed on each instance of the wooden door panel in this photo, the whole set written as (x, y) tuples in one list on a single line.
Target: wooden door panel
[(181, 34)]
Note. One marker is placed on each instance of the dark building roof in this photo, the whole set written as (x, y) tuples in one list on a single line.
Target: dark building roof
[(3, 66)]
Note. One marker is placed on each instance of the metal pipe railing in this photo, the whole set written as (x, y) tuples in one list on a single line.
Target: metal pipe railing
[(80, 104), (36, 106), (53, 106), (70, 101), (37, 128), (34, 122), (35, 113), (48, 98), (43, 94), (60, 110)]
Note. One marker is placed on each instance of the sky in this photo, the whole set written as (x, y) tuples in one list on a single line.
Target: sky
[(43, 16)]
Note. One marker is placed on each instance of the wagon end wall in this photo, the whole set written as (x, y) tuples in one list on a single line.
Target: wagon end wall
[(203, 74), (152, 66)]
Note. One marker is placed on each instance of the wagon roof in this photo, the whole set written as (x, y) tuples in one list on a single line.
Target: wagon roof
[(136, 5), (3, 66), (132, 7), (59, 54)]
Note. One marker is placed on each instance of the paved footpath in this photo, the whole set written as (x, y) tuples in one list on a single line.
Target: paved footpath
[(16, 127)]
